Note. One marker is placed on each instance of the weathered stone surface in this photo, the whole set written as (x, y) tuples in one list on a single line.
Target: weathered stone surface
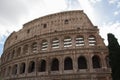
[(61, 46)]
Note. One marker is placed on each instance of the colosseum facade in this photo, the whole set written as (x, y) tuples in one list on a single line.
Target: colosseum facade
[(60, 46)]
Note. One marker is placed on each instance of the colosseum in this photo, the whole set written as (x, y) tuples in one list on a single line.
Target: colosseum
[(59, 46)]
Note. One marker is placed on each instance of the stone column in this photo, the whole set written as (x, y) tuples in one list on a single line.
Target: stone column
[(49, 44), (22, 51), (18, 69), (73, 41), (29, 49), (27, 66), (39, 46), (86, 41), (61, 41), (90, 66), (103, 61), (48, 65), (61, 65), (36, 66), (75, 63)]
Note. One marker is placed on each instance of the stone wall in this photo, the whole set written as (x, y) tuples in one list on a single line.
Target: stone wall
[(61, 46)]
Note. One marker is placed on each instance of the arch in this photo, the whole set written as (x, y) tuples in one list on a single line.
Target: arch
[(42, 66), (44, 45), (96, 61), (55, 43), (9, 71), (34, 47), (92, 40), (22, 68), (4, 72), (107, 61), (14, 69), (68, 64), (80, 41), (55, 65), (67, 41), (31, 67), (18, 51), (25, 49), (82, 63), (66, 21), (13, 54), (9, 56)]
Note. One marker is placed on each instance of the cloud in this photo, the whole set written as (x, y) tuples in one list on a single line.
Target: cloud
[(95, 1), (112, 1), (14, 13), (118, 4), (116, 13), (89, 10), (110, 27), (72, 4), (12, 10), (11, 13)]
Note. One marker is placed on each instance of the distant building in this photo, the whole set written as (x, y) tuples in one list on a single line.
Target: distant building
[(61, 46)]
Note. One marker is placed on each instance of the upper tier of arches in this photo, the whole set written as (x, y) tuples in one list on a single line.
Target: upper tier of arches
[(63, 21)]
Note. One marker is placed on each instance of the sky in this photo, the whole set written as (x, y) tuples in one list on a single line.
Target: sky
[(15, 13)]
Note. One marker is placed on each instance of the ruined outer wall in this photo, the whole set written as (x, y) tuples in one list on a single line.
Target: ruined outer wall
[(25, 47), (53, 22)]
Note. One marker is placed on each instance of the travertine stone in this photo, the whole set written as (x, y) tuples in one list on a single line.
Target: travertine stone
[(61, 46)]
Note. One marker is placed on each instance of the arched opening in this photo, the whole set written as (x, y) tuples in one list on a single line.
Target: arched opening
[(107, 61), (66, 21), (34, 47), (92, 40), (55, 43), (42, 66), (82, 63), (44, 45), (18, 51), (22, 68), (55, 65), (96, 61), (67, 41), (31, 67), (13, 54), (9, 71), (25, 49), (14, 70), (68, 65), (8, 56), (80, 41), (44, 25), (4, 72)]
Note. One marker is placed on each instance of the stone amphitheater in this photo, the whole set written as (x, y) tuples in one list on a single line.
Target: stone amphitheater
[(60, 46)]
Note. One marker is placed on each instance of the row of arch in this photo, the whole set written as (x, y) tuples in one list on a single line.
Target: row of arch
[(82, 63), (55, 44)]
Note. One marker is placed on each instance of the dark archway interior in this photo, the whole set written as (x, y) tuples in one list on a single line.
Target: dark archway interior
[(82, 63), (55, 65), (68, 65), (42, 65), (31, 67), (96, 61)]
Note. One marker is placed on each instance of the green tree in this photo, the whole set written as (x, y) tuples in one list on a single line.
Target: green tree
[(114, 56)]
